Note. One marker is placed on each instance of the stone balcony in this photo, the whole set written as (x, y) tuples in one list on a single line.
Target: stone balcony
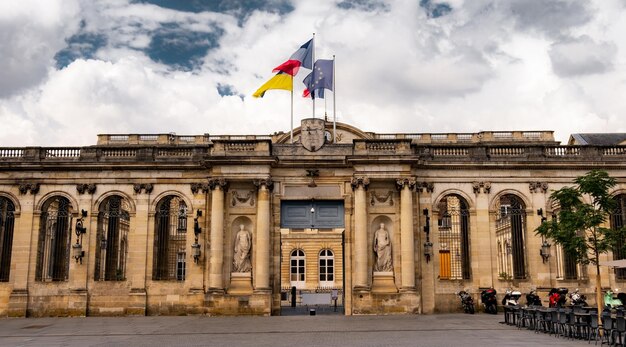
[(362, 150)]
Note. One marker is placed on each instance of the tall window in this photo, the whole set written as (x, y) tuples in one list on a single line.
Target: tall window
[(566, 266), (618, 217), (53, 250), (170, 239), (510, 230), (297, 273), (327, 268), (112, 239), (6, 237), (453, 228)]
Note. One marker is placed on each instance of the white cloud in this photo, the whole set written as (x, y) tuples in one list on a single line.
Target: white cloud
[(488, 65), (31, 32), (581, 56)]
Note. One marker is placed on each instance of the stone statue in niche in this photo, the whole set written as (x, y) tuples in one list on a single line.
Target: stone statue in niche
[(243, 244), (382, 250)]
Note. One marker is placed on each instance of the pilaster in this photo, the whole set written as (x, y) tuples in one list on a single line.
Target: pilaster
[(359, 185), (216, 260), (407, 242), (262, 239)]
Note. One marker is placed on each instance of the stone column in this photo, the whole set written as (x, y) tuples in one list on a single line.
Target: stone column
[(359, 185), (262, 239), (216, 260), (407, 243)]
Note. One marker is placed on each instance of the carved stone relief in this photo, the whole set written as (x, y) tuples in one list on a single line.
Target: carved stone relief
[(32, 187), (242, 198), (536, 187), (145, 187), (380, 198), (484, 187), (86, 188)]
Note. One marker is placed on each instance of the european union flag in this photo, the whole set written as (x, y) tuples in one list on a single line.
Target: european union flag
[(319, 79)]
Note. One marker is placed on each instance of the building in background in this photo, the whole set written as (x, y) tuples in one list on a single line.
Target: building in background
[(227, 225)]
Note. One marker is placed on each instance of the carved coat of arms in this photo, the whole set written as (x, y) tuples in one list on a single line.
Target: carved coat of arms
[(312, 133)]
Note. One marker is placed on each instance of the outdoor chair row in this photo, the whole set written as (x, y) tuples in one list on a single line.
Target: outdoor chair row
[(570, 323)]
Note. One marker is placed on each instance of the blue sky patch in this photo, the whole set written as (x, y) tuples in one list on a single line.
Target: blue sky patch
[(363, 5), (83, 45), (227, 90), (435, 10), (180, 48), (238, 8)]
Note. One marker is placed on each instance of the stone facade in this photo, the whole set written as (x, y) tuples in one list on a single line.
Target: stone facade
[(161, 213)]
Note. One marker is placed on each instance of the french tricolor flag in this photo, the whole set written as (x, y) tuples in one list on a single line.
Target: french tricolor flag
[(302, 57)]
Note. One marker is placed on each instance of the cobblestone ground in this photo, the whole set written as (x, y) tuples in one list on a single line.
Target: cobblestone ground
[(422, 330)]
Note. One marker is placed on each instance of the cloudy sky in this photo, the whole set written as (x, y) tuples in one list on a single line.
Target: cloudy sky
[(71, 69)]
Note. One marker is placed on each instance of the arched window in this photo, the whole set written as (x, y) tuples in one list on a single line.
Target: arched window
[(112, 239), (6, 237), (297, 272), (327, 268), (618, 217), (453, 225), (170, 230), (53, 247), (510, 230)]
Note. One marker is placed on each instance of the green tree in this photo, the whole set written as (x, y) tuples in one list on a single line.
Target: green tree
[(579, 226)]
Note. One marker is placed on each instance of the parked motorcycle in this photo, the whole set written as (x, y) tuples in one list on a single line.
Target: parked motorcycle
[(511, 298), (488, 299), (557, 297), (578, 299), (532, 299), (466, 301)]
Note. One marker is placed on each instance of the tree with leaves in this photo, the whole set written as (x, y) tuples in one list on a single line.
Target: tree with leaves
[(579, 226)]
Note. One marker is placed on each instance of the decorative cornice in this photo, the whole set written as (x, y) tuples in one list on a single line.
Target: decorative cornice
[(267, 182), (402, 182), (363, 181), (196, 187), (536, 187), (484, 186), (32, 187), (88, 188), (146, 187), (425, 187), (218, 182)]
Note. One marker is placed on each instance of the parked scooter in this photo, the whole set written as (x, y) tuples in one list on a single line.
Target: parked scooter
[(557, 297), (610, 301), (578, 299), (532, 299), (511, 298), (466, 301), (488, 298)]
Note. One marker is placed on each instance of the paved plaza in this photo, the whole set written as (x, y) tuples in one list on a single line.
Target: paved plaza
[(321, 330)]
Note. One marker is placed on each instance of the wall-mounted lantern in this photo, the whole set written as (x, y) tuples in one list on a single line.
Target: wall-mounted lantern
[(196, 252), (77, 248), (428, 246), (428, 250)]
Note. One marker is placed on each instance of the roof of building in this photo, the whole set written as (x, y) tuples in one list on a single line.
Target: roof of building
[(598, 139)]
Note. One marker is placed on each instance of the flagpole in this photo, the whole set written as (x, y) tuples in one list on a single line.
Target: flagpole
[(313, 69), (334, 103), (291, 109)]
